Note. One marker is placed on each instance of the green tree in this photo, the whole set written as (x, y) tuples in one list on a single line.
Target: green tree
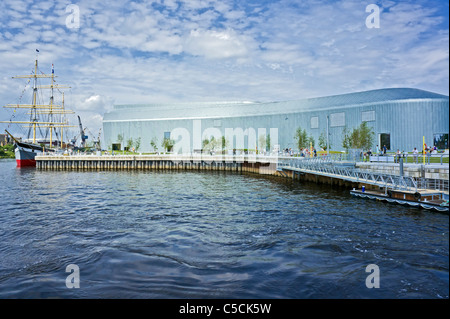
[(153, 144), (262, 141), (213, 144), (268, 142), (130, 143), (323, 141), (7, 151), (137, 144), (120, 139), (366, 136), (168, 144), (311, 141), (346, 139), (359, 138), (301, 136), (205, 145), (225, 143)]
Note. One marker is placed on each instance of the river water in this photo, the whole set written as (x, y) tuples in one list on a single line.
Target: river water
[(210, 235)]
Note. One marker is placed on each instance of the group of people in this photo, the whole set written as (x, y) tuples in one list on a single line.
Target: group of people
[(381, 151), (399, 155), (304, 152), (428, 150)]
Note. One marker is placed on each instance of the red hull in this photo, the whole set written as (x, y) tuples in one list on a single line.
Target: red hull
[(26, 163), (25, 155)]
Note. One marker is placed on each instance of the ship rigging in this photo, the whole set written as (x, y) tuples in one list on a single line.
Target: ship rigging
[(46, 122)]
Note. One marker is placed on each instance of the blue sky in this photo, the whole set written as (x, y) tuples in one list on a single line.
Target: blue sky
[(126, 52)]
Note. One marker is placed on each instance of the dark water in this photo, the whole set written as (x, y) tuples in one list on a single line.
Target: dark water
[(210, 235)]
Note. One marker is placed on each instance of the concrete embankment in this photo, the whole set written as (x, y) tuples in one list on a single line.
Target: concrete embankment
[(253, 164)]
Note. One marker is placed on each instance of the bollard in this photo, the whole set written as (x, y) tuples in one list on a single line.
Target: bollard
[(401, 166)]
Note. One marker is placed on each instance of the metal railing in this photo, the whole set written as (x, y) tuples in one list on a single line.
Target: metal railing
[(442, 158), (433, 184), (439, 158), (327, 166)]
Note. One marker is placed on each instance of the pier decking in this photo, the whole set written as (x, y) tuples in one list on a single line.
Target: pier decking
[(425, 199)]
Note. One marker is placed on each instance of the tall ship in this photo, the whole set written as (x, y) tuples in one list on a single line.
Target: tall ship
[(42, 122)]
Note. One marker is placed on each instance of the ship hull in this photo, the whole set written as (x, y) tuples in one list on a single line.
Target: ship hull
[(25, 157)]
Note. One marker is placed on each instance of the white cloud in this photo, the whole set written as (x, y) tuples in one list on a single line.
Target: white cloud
[(217, 44), (96, 103), (167, 50)]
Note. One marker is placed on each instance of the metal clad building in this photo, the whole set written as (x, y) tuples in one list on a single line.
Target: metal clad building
[(400, 118)]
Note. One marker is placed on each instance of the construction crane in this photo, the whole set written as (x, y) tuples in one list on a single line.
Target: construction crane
[(96, 142), (83, 136)]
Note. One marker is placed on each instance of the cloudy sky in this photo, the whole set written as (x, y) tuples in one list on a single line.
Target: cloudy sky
[(126, 52)]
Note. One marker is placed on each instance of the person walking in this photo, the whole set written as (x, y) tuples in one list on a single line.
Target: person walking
[(415, 155), (397, 156), (429, 150)]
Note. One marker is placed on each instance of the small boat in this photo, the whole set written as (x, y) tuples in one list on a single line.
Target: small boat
[(427, 199)]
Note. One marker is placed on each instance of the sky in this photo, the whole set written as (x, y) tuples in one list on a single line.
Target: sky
[(131, 52)]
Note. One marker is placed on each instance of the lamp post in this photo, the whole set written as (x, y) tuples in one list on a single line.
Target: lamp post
[(327, 138)]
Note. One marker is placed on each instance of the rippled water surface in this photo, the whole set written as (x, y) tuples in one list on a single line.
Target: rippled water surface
[(210, 235)]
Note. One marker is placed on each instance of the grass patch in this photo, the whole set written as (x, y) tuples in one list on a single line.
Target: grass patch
[(7, 151)]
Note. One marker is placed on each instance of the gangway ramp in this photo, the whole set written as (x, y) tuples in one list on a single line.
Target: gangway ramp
[(348, 171)]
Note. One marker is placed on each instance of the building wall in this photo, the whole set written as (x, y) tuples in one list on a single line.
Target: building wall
[(406, 120), (5, 139)]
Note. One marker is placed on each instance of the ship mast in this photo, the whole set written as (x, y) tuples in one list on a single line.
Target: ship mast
[(36, 109)]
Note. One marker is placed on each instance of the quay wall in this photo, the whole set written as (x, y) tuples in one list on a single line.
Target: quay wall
[(238, 164), (251, 164), (262, 165)]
